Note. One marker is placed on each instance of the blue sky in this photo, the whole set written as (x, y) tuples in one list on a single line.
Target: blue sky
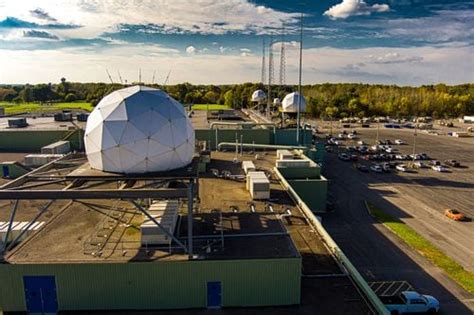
[(406, 42)]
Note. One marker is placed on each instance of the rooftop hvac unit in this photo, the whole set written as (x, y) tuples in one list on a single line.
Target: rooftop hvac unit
[(284, 155), (33, 160), (166, 214), (293, 163), (60, 147), (64, 116), (82, 117), (17, 123), (255, 175), (258, 185), (248, 166)]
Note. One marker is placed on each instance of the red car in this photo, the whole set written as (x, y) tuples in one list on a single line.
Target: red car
[(454, 215)]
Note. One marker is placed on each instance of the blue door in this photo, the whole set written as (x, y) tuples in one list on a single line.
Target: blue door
[(214, 294), (6, 171), (40, 294)]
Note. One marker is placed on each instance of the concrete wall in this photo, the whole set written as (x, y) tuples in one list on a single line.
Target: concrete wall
[(158, 285)]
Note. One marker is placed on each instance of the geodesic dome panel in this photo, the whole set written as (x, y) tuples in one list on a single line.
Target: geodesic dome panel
[(259, 96), (138, 130), (290, 103)]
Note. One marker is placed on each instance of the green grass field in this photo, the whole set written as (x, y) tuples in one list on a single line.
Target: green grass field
[(425, 247), (12, 108), (209, 106)]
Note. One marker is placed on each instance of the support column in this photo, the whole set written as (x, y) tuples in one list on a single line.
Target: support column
[(10, 224), (190, 217)]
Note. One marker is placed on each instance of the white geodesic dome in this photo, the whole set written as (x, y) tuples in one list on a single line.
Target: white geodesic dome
[(290, 103), (259, 96), (138, 130)]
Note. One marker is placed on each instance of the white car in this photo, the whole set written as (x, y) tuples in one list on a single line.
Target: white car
[(401, 168), (390, 150), (399, 141), (376, 168), (352, 136), (439, 168), (360, 142), (341, 136)]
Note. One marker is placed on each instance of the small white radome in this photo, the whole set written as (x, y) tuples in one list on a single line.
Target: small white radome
[(291, 102), (139, 130)]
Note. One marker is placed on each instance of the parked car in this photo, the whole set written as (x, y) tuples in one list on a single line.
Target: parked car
[(454, 215), (376, 168), (439, 168), (401, 168), (390, 150), (435, 163), (360, 142), (344, 157), (354, 157), (341, 136), (352, 136), (452, 163), (411, 302), (362, 168), (386, 167), (400, 142), (420, 164)]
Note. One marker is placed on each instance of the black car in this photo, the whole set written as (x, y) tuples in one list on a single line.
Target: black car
[(452, 163), (362, 168)]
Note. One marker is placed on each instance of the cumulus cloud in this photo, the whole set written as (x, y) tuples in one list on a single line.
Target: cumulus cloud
[(42, 15), (39, 34), (196, 17), (349, 8), (191, 50), (392, 58)]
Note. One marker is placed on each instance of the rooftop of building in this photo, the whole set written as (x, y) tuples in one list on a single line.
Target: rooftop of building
[(46, 122), (224, 226)]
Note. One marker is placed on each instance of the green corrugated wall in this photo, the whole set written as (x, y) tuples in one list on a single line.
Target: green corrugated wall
[(34, 140), (158, 285), (312, 191)]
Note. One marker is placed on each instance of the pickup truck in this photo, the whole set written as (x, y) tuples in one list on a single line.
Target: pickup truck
[(410, 302)]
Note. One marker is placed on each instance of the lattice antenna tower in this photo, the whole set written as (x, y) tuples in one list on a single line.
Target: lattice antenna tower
[(282, 58), (271, 68), (264, 71)]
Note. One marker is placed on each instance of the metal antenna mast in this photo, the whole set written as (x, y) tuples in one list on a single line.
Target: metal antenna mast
[(282, 58), (153, 79), (270, 76), (139, 76), (120, 77), (299, 83), (167, 77), (263, 78), (110, 77)]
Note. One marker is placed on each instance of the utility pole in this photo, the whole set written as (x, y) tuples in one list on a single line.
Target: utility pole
[(299, 84)]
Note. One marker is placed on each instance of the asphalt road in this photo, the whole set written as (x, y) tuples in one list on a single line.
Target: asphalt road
[(375, 251)]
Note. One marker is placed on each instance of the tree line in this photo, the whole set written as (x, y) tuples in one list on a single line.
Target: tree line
[(336, 100)]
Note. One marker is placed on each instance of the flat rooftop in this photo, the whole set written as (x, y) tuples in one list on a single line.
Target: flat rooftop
[(224, 227), (201, 119), (41, 123)]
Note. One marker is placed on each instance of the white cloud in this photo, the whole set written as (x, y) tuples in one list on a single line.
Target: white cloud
[(349, 8), (206, 16), (191, 50), (450, 65), (245, 50)]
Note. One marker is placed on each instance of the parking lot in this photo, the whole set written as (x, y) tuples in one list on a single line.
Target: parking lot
[(423, 194)]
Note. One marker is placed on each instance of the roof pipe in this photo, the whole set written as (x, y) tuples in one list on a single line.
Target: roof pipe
[(220, 123), (261, 146)]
